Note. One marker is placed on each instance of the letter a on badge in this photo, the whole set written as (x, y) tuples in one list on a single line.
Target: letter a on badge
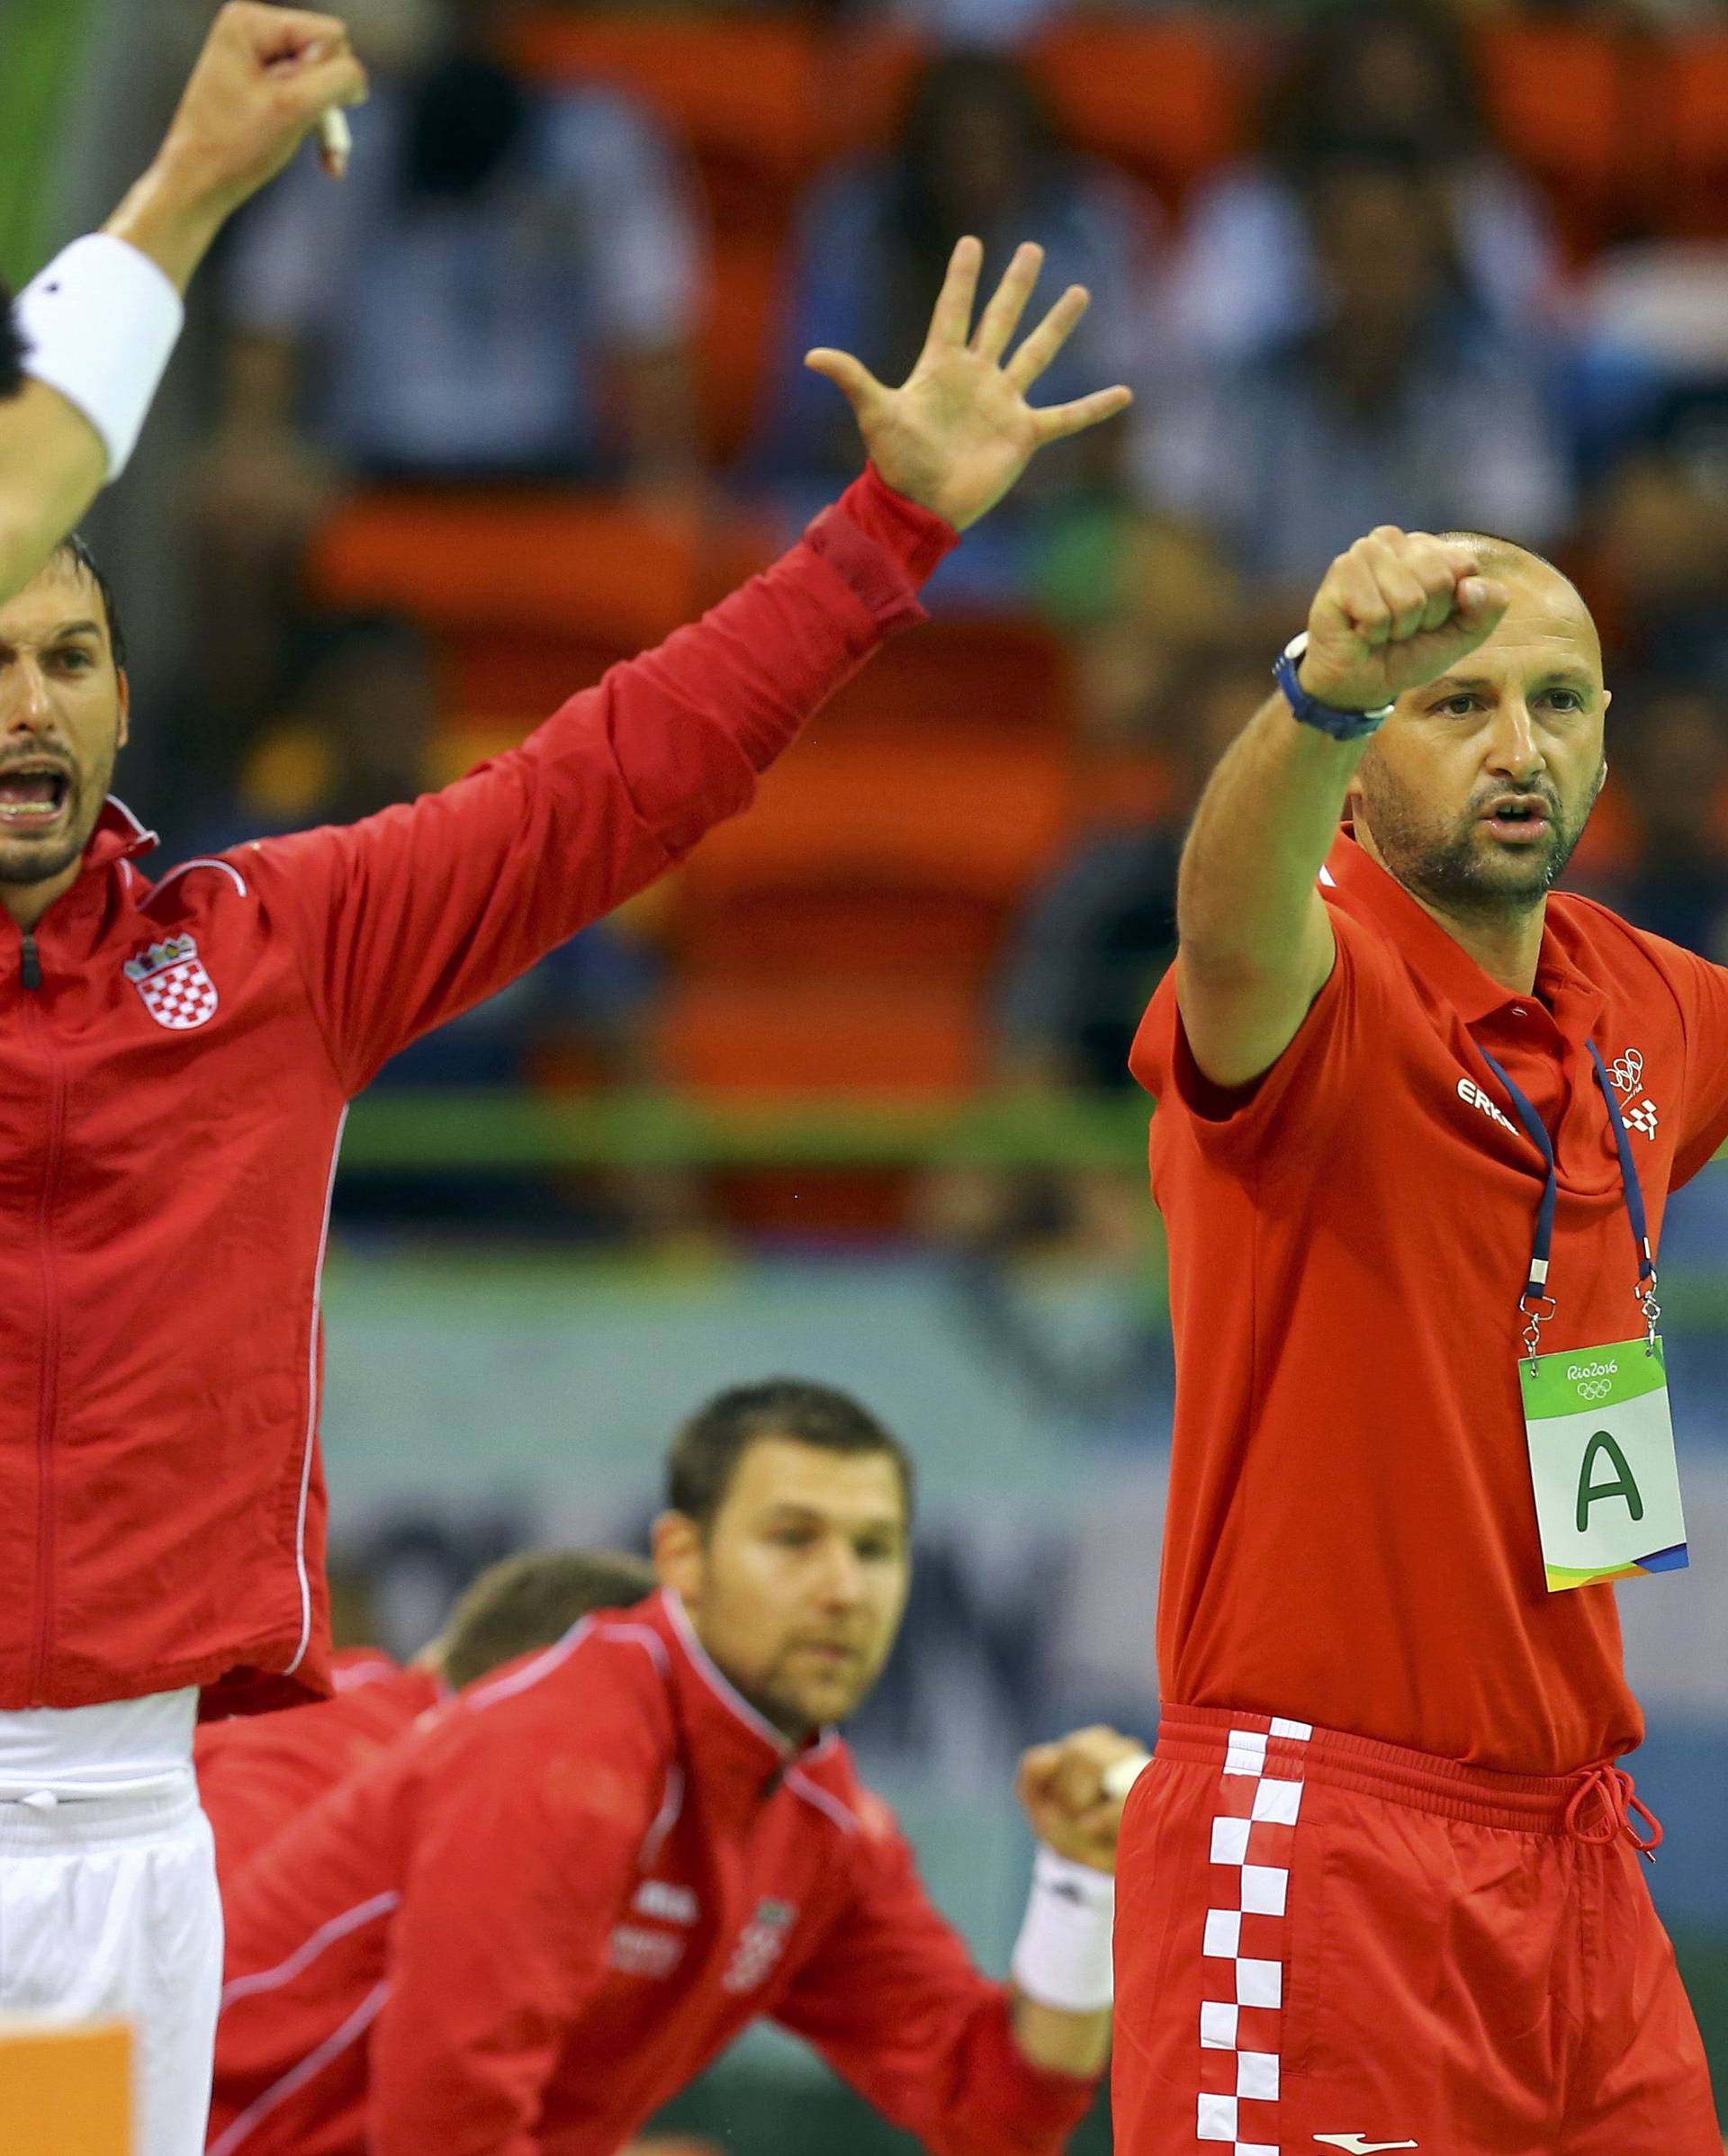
[(1625, 1484)]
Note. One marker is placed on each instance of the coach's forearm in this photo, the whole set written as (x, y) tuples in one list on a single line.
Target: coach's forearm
[(52, 462), (1246, 897), (1059, 2042)]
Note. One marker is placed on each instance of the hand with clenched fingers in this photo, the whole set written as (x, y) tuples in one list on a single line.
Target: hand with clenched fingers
[(1396, 610)]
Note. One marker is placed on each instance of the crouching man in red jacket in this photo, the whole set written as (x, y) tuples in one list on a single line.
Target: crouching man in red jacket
[(552, 1903), (257, 1772), (176, 1058)]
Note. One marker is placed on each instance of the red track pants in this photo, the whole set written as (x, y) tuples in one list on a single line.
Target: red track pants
[(1323, 1941)]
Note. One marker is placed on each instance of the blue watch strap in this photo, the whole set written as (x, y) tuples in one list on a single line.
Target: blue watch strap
[(1342, 725)]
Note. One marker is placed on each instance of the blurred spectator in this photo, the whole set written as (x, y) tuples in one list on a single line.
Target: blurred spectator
[(979, 151), (533, 250), (503, 288), (1404, 402), (1671, 744), (1662, 542), (998, 23), (1369, 71), (1094, 941)]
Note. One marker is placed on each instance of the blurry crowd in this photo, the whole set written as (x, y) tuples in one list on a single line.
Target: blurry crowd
[(1373, 311)]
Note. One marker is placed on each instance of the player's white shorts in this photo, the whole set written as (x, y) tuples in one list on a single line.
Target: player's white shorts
[(108, 1906)]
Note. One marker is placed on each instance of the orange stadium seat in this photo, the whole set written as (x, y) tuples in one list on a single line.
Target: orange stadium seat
[(968, 814), (740, 91), (855, 930), (866, 84), (1564, 100), (1694, 99), (530, 595), (1167, 99), (777, 1037), (586, 566), (744, 282)]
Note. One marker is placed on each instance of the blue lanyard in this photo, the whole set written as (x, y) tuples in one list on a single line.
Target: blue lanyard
[(1536, 1304)]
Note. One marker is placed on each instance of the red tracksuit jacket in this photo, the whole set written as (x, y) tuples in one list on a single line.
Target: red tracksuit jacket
[(547, 1911), (256, 1772), (176, 1061)]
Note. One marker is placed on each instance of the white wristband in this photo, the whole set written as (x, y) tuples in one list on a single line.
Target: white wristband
[(1062, 1958), (98, 326)]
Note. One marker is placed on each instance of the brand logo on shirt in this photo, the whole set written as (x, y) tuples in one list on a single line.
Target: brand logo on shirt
[(1643, 1118), (672, 1904), (634, 1950), (178, 993), (1472, 1095), (760, 1945)]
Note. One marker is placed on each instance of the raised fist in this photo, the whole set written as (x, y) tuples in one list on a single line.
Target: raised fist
[(1396, 610), (1073, 1791)]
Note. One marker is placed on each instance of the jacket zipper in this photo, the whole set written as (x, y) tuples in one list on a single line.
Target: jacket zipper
[(31, 973)]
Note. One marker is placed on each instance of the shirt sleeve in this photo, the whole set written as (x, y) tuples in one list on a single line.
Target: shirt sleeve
[(524, 1860), (1309, 1091), (1701, 990), (893, 2001), (413, 916)]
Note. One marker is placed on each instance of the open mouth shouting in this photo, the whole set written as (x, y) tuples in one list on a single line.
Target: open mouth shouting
[(35, 796)]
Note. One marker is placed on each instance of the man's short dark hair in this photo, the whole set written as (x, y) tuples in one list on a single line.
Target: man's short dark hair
[(75, 548), (532, 1599), (706, 1451), (12, 348)]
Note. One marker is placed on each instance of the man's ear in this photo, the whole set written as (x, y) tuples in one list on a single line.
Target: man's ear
[(125, 734), (677, 1544)]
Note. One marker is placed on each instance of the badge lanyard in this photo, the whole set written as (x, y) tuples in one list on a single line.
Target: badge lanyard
[(1535, 1303)]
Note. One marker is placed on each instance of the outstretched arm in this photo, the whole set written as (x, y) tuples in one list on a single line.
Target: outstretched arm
[(96, 328), (412, 916), (1256, 944), (894, 2002)]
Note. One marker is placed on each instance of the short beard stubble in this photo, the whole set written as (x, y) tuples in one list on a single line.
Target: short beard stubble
[(1451, 869)]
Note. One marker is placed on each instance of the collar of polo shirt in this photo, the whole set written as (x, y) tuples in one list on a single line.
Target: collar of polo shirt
[(1575, 1005)]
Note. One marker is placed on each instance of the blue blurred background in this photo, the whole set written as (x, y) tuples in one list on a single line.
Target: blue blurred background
[(847, 1097)]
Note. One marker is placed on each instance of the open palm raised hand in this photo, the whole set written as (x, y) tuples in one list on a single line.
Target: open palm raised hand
[(958, 431)]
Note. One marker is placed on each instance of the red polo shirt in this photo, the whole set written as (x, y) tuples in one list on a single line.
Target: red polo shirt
[(1352, 1535)]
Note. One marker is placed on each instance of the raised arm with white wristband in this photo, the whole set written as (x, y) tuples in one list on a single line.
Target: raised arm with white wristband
[(91, 335)]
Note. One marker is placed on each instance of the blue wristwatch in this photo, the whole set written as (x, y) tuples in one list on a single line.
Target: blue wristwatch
[(1342, 725)]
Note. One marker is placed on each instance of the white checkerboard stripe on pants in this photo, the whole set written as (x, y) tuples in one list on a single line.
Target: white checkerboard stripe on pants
[(1253, 1834)]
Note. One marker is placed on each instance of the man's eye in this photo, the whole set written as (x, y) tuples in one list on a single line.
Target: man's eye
[(1457, 707), (1566, 699), (76, 659)]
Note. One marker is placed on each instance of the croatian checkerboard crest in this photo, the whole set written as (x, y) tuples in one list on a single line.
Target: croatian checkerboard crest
[(177, 992)]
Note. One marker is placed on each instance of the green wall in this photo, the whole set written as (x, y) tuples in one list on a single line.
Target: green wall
[(40, 61)]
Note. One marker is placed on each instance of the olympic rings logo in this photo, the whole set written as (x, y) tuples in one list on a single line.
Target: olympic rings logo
[(1595, 1389), (1627, 1072)]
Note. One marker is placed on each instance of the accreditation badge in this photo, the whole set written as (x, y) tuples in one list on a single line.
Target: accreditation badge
[(1602, 1459)]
